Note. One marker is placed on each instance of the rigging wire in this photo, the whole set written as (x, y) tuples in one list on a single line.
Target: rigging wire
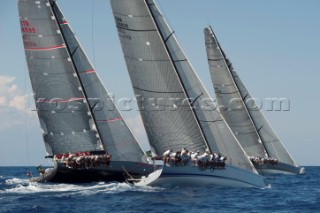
[(26, 130), (92, 33)]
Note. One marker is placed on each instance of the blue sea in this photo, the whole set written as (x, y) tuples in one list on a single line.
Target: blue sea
[(288, 193)]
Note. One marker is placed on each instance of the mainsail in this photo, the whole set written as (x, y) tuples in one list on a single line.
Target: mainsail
[(176, 109), (249, 125), (76, 112)]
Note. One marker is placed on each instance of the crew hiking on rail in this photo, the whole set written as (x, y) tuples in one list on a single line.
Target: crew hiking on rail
[(83, 161), (263, 161), (184, 157)]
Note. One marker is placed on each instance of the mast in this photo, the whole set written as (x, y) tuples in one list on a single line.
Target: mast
[(53, 2), (164, 40)]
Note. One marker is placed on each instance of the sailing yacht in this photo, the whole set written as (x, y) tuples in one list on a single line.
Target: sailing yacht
[(175, 107), (247, 123), (83, 131)]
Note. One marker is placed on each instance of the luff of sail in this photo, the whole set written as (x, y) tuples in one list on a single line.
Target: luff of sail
[(222, 73), (114, 132), (61, 104), (159, 69)]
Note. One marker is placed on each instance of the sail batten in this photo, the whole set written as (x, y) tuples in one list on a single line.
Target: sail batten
[(46, 48)]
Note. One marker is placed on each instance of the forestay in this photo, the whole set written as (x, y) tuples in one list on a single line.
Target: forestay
[(159, 70), (113, 130)]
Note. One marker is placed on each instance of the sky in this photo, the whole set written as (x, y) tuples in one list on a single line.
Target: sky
[(273, 45)]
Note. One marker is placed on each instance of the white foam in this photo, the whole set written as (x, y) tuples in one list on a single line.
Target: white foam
[(13, 181), (23, 186)]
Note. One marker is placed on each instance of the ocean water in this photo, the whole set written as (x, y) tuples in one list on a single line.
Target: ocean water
[(288, 193)]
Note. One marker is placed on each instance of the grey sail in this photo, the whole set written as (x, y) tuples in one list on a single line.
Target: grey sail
[(169, 124), (160, 70), (113, 130), (232, 94), (61, 104), (229, 99)]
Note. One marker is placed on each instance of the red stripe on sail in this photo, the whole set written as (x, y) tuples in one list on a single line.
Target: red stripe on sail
[(63, 22), (87, 71), (59, 101), (111, 120), (46, 48)]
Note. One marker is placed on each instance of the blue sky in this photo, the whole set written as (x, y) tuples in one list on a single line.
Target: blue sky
[(274, 46)]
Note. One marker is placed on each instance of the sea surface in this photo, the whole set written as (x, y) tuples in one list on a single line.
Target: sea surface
[(288, 193)]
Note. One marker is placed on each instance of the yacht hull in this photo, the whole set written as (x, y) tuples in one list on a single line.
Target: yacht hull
[(195, 176), (280, 168), (116, 171)]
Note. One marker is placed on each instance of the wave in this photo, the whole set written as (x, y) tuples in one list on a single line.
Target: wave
[(23, 186), (13, 181)]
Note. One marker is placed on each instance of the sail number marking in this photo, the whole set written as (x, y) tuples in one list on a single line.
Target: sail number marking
[(26, 28), (121, 28)]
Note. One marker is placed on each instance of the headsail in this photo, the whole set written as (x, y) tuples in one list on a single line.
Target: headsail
[(250, 126), (159, 69), (114, 132)]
